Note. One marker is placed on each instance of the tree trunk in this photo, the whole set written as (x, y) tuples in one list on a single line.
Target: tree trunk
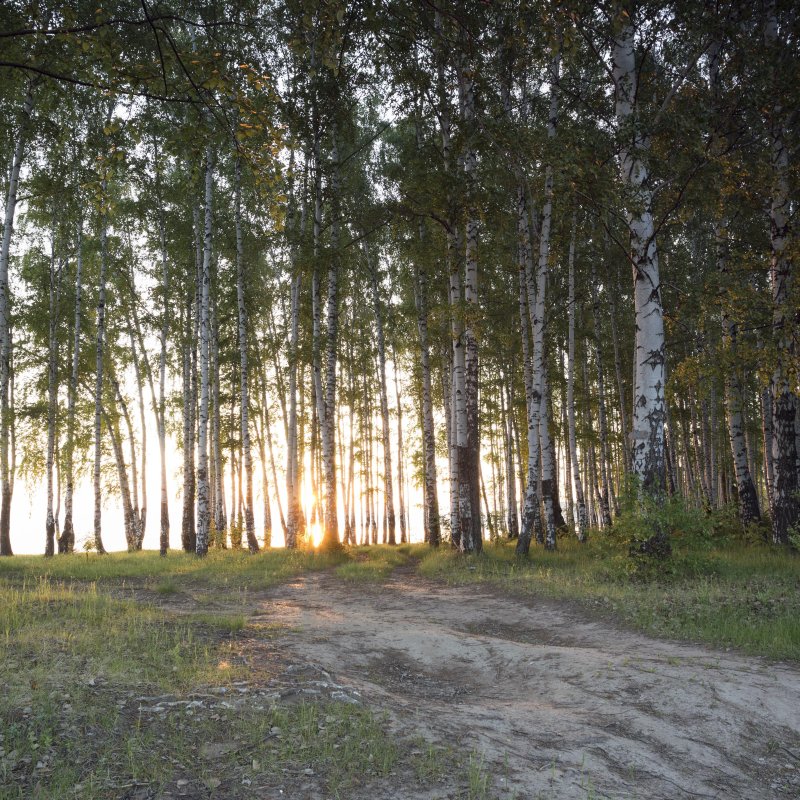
[(244, 395), (432, 528), (66, 543), (786, 502), (647, 447), (385, 431), (605, 508), (580, 503), (507, 417), (6, 422), (161, 416), (537, 312), (469, 470), (98, 388), (527, 291), (203, 511), (52, 391)]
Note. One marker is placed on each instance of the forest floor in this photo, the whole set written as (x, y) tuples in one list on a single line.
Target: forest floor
[(361, 678)]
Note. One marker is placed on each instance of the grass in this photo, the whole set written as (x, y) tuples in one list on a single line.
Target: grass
[(375, 564), (220, 569), (88, 644), (718, 590)]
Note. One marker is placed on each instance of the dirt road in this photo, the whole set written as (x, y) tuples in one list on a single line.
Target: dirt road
[(557, 706)]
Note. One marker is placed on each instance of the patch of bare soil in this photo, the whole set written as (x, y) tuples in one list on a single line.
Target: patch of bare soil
[(558, 706)]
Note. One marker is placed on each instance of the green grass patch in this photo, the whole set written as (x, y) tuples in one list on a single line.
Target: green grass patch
[(715, 588), (222, 569), (375, 564)]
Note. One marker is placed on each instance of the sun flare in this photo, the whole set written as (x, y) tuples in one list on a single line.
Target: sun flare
[(316, 534)]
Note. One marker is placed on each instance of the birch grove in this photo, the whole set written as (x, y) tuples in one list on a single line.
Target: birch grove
[(389, 272)]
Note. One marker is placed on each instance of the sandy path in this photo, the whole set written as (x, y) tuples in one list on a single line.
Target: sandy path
[(559, 706)]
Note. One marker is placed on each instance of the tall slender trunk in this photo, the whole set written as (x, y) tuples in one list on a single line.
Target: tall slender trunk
[(469, 481), (295, 524), (295, 527), (190, 391), (139, 510), (268, 434), (605, 507), (161, 416), (580, 503), (6, 422), (203, 511), (132, 530), (385, 430), (325, 389), (531, 524), (432, 528), (217, 483), (786, 502), (66, 543), (244, 395), (768, 437), (52, 390), (507, 419), (124, 485), (98, 388), (401, 494), (537, 312), (647, 446), (623, 406)]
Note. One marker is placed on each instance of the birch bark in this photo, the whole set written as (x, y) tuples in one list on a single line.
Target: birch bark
[(52, 390), (66, 543), (244, 395), (203, 511), (385, 430), (647, 446), (6, 474), (580, 503), (537, 311), (786, 503)]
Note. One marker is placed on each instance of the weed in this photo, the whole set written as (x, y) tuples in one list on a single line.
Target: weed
[(478, 778)]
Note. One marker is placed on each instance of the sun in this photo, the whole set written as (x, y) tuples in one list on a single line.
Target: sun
[(316, 535)]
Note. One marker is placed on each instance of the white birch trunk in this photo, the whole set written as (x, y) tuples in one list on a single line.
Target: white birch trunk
[(432, 528), (647, 445), (98, 387), (203, 511), (531, 524), (161, 412), (244, 395), (66, 543), (786, 503), (52, 390), (388, 489), (6, 423), (469, 481), (580, 503), (537, 311)]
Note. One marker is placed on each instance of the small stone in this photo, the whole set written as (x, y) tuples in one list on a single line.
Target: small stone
[(183, 782), (308, 771), (256, 764), (275, 731)]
